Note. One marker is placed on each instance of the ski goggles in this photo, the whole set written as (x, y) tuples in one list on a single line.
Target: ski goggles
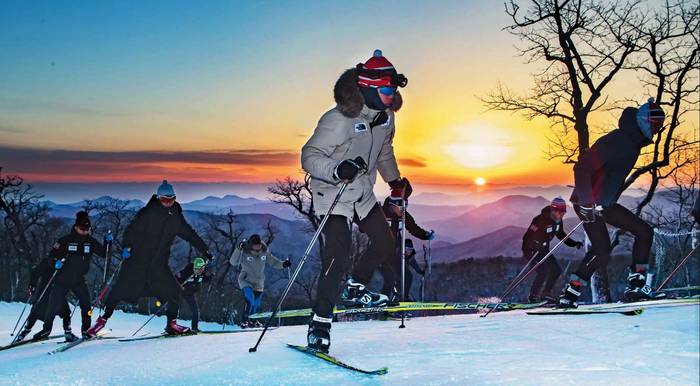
[(167, 200), (395, 80), (388, 91)]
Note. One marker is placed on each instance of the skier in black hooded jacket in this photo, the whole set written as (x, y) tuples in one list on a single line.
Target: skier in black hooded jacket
[(600, 175), (149, 238)]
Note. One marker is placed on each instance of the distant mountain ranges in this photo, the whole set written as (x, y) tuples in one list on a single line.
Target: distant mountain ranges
[(463, 231)]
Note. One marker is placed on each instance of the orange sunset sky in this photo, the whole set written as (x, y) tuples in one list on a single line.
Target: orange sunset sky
[(229, 91)]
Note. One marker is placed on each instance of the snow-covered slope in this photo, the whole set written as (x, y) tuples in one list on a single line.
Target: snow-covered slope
[(659, 347)]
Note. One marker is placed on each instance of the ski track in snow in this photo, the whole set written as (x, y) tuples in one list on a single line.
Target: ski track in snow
[(659, 347)]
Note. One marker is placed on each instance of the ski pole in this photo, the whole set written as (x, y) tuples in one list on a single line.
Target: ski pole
[(539, 263), (106, 286), (676, 269), (41, 296), (403, 259), (301, 264), (150, 318), (20, 317), (534, 255), (107, 256)]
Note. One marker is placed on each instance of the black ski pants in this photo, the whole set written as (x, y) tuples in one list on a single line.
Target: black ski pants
[(57, 302), (336, 241), (620, 217)]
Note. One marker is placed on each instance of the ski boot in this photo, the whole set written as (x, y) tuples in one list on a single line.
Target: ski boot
[(257, 324), (99, 325), (23, 334), (533, 299), (172, 328), (639, 286), (41, 335), (69, 336), (394, 298), (318, 336), (245, 324), (571, 292), (195, 328), (355, 295)]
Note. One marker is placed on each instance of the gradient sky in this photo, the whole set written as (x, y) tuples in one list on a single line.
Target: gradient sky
[(230, 91)]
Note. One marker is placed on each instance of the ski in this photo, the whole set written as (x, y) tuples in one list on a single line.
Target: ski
[(70, 345), (332, 360), (589, 311), (407, 307), (159, 336), (691, 301), (28, 341)]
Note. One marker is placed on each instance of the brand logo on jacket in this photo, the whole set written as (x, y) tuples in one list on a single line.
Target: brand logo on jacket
[(360, 127)]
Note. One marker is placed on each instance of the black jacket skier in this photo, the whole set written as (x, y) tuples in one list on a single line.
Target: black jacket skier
[(71, 256), (600, 174), (38, 279), (191, 278), (391, 268), (146, 250), (543, 228)]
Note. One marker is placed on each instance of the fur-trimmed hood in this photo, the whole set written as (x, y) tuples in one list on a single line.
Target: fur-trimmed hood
[(348, 97)]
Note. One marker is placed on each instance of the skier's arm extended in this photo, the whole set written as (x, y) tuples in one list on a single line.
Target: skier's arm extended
[(188, 234), (98, 249), (570, 242), (414, 229), (235, 259), (271, 260), (316, 154), (386, 161)]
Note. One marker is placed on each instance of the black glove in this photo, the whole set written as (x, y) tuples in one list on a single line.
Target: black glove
[(30, 290), (578, 245), (590, 213), (287, 263), (402, 184), (422, 273), (349, 169)]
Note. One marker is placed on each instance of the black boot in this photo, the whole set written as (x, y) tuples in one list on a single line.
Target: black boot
[(319, 335), (41, 335), (571, 293), (70, 337), (23, 334), (639, 286), (356, 295)]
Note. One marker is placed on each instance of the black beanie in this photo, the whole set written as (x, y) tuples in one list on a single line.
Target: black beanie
[(82, 219), (254, 239)]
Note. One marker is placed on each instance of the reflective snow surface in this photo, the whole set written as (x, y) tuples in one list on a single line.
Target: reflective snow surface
[(659, 347)]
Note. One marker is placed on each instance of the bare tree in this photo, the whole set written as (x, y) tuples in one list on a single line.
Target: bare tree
[(582, 46), (296, 194)]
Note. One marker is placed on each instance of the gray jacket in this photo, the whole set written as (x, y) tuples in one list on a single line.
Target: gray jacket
[(343, 133), (252, 267)]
